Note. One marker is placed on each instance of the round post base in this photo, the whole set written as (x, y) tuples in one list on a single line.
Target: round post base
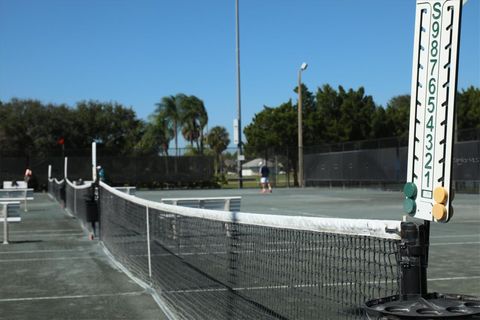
[(431, 306)]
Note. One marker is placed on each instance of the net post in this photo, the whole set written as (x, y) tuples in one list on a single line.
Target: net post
[(147, 211), (227, 205), (75, 202), (94, 161), (5, 223), (26, 207), (414, 260), (65, 168)]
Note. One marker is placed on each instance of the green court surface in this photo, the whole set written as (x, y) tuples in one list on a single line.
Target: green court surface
[(454, 262), (49, 270)]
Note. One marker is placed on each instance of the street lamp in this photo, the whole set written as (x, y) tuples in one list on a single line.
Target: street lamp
[(301, 183)]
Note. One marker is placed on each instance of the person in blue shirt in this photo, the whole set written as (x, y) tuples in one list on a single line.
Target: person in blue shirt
[(264, 172), (101, 173)]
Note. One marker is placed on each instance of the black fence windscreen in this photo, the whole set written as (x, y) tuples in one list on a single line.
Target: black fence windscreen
[(152, 171), (385, 165)]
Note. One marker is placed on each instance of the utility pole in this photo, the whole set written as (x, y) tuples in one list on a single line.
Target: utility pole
[(301, 183), (239, 104)]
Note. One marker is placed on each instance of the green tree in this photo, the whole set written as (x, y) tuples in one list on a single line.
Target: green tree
[(468, 108), (114, 125), (27, 127), (155, 138), (218, 140), (194, 121), (274, 130), (170, 109), (32, 128), (355, 114), (325, 122), (398, 116), (340, 116), (380, 126)]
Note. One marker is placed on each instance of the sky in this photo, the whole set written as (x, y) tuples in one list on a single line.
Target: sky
[(136, 52)]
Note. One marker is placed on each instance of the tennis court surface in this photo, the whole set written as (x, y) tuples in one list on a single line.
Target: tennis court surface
[(51, 271), (222, 265)]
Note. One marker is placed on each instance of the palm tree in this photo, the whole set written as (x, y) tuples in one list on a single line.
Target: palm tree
[(202, 122), (218, 141), (170, 110), (194, 120), (155, 138)]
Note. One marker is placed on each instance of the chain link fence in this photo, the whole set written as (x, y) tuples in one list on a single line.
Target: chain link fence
[(379, 162), (141, 171)]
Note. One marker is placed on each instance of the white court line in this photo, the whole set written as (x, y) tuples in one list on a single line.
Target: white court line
[(50, 235), (303, 285), (295, 286), (42, 251), (45, 259), (456, 236), (148, 288), (453, 243), (226, 252), (80, 296), (48, 230), (454, 278)]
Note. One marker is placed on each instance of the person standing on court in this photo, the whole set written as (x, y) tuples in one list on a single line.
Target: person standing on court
[(28, 175), (101, 173), (264, 172)]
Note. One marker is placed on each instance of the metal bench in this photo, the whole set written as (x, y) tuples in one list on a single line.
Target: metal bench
[(10, 212), (15, 194), (127, 190), (212, 203), (16, 185)]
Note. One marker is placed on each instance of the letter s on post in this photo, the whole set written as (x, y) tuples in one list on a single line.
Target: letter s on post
[(437, 12)]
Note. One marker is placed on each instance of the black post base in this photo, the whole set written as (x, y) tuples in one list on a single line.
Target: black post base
[(431, 306)]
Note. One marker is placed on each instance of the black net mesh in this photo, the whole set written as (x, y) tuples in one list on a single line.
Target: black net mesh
[(77, 197), (205, 268), (56, 188), (125, 235)]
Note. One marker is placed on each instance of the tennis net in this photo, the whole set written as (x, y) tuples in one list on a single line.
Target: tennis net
[(207, 264), (56, 189), (76, 199)]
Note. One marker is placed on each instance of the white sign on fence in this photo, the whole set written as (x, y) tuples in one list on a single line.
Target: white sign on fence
[(236, 137), (432, 108)]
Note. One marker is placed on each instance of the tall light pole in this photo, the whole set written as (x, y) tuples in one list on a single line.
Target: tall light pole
[(239, 105), (301, 183)]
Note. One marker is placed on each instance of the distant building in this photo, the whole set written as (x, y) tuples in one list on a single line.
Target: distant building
[(251, 168)]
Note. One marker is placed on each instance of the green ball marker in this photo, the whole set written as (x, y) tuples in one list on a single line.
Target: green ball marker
[(409, 206), (410, 190)]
